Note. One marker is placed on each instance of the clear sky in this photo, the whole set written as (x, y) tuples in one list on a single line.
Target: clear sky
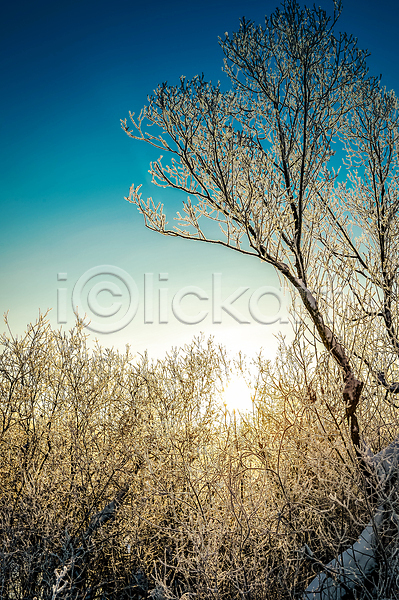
[(69, 72)]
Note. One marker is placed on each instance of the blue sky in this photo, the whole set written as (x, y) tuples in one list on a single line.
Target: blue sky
[(70, 71)]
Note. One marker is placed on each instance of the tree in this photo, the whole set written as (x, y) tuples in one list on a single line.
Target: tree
[(259, 160)]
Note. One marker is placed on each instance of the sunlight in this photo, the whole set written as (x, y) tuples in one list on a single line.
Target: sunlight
[(237, 395)]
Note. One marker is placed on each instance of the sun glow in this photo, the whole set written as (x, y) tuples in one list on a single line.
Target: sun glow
[(237, 395)]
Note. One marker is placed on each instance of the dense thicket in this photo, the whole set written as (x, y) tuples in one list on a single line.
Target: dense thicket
[(125, 478)]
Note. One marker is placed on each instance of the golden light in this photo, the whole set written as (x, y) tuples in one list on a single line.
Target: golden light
[(237, 395)]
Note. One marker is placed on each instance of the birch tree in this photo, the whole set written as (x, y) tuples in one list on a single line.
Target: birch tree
[(297, 164)]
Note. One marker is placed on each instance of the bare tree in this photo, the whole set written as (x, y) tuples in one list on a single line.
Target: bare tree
[(260, 161)]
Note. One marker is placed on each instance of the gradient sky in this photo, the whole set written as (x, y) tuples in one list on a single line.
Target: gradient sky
[(69, 72)]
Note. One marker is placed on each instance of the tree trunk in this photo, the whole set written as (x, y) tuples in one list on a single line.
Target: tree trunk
[(355, 565)]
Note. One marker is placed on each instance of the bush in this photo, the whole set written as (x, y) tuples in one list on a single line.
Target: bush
[(123, 478)]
